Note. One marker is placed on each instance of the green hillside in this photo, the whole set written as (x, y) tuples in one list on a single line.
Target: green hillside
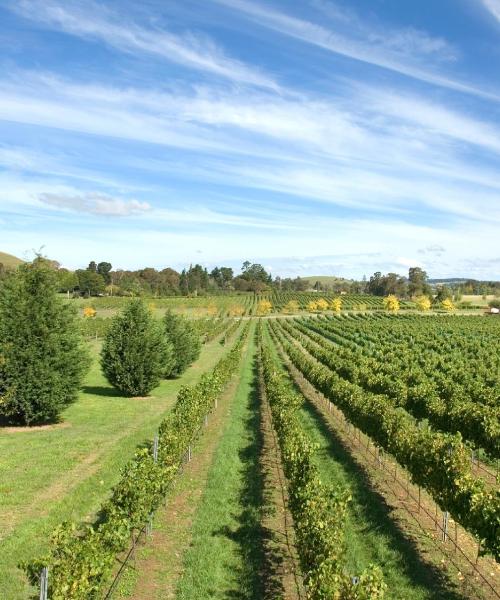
[(9, 261)]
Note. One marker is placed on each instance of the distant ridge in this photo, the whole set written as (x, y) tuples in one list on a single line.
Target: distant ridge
[(325, 279), (9, 261)]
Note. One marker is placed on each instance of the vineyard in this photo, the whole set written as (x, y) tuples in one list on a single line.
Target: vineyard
[(350, 456)]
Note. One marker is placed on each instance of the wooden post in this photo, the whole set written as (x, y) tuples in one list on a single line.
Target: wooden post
[(44, 583), (445, 525)]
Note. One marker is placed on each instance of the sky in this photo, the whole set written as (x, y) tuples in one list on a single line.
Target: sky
[(314, 137)]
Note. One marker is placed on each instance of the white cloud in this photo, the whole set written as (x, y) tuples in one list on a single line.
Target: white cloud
[(95, 203), (403, 52), (91, 20)]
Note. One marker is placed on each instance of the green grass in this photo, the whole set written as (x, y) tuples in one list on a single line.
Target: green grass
[(226, 554), (53, 474), (9, 261)]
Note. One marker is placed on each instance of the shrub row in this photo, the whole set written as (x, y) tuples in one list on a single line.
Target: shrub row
[(318, 511), (439, 462), (80, 560)]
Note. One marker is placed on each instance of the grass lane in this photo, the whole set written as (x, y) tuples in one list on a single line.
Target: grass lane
[(226, 555)]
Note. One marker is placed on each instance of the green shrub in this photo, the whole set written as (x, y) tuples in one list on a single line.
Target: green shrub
[(42, 356), (185, 341), (136, 352)]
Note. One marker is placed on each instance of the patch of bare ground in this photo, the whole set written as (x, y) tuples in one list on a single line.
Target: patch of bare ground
[(446, 546), (281, 575), (35, 428)]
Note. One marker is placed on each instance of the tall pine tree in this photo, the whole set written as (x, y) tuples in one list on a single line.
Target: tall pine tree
[(185, 341), (136, 353), (42, 355)]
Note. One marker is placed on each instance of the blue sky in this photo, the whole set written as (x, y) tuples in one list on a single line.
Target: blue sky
[(314, 136)]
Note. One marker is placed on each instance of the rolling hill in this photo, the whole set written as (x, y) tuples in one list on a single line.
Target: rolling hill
[(9, 261)]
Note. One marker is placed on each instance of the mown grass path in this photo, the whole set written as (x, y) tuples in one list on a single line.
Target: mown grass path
[(226, 555), (64, 472)]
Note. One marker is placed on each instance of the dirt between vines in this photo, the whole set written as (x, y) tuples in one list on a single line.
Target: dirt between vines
[(392, 483), (281, 574)]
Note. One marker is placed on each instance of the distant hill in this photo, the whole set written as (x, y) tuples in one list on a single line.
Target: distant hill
[(9, 261), (324, 279)]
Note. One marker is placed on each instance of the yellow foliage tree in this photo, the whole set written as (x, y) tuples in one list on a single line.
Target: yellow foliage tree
[(89, 312), (212, 310), (292, 306), (447, 304), (423, 303), (322, 304), (312, 306), (336, 305), (264, 307), (391, 303), (236, 310)]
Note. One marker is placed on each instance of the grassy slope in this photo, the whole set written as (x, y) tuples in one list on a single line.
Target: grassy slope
[(9, 261), (65, 472), (225, 557)]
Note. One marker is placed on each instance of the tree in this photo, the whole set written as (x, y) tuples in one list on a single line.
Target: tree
[(104, 268), (292, 306), (336, 305), (321, 304), (264, 307), (92, 266), (391, 303), (136, 353), (417, 285), (447, 304), (312, 306), (90, 282), (443, 293), (185, 342), (67, 280), (423, 303), (42, 355)]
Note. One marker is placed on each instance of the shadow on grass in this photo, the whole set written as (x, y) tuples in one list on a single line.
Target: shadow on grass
[(101, 390), (250, 535), (376, 514)]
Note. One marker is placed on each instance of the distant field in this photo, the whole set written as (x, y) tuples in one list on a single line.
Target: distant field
[(477, 299), (9, 261)]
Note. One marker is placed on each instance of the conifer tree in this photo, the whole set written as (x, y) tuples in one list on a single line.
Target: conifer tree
[(136, 353), (185, 341), (42, 355)]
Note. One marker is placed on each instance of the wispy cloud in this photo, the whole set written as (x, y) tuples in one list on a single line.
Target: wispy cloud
[(95, 203), (493, 6), (405, 51), (91, 20)]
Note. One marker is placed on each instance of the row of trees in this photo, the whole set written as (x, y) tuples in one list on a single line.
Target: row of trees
[(43, 358)]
